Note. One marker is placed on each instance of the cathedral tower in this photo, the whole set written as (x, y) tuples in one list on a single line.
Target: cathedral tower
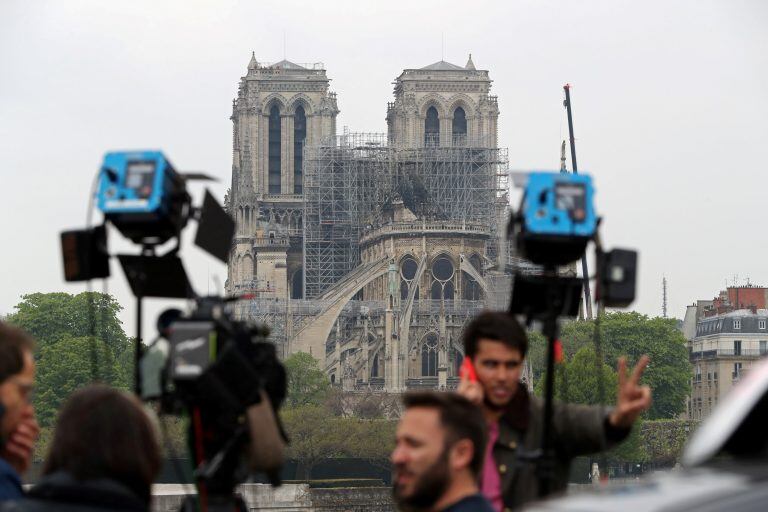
[(443, 105), (279, 109)]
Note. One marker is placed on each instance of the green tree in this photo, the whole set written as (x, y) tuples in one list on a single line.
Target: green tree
[(583, 377), (633, 335), (66, 366), (373, 440), (49, 317), (67, 355), (669, 371), (664, 440), (307, 383), (576, 380), (633, 448), (314, 434)]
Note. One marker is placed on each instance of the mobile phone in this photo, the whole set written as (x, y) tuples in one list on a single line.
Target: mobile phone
[(467, 370)]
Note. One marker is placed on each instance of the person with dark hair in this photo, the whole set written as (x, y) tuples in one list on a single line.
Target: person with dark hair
[(104, 456), (438, 454), (18, 427), (496, 344)]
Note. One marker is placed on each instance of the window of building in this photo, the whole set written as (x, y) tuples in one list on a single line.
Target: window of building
[(437, 291), (737, 347), (737, 324), (299, 136), (459, 127), (442, 268), (761, 324), (763, 347), (448, 291), (408, 268), (375, 367), (274, 150), (457, 360), (432, 128), (429, 355), (737, 370), (472, 290)]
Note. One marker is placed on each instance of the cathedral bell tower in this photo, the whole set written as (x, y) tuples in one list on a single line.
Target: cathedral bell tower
[(279, 109), (443, 105)]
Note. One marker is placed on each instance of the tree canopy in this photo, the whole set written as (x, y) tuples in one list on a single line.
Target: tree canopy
[(624, 334), (50, 317), (315, 433), (307, 383), (67, 355)]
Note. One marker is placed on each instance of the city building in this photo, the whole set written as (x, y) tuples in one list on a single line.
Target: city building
[(726, 335), (369, 251)]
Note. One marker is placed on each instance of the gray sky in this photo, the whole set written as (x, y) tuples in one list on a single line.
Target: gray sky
[(670, 106)]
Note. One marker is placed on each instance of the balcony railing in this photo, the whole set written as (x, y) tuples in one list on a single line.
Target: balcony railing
[(725, 352)]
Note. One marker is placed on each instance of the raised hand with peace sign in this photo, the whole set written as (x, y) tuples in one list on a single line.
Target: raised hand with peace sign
[(632, 398)]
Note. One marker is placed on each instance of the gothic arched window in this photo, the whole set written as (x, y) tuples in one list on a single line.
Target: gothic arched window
[(436, 293), (408, 268), (429, 355), (457, 360), (375, 367), (472, 290), (299, 136), (448, 291), (459, 127), (432, 128), (274, 150)]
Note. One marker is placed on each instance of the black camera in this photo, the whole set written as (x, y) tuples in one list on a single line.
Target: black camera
[(226, 376)]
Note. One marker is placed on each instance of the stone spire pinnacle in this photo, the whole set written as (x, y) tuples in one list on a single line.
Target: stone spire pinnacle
[(253, 64), (470, 64)]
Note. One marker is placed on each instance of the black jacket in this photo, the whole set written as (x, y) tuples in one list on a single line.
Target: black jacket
[(62, 493)]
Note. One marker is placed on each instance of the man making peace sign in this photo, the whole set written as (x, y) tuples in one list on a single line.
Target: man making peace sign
[(496, 344)]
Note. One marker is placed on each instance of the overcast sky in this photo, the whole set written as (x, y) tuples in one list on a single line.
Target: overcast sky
[(670, 109)]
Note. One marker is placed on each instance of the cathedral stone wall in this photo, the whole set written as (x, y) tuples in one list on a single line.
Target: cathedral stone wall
[(265, 144)]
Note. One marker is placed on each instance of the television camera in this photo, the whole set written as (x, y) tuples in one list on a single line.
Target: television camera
[(222, 373)]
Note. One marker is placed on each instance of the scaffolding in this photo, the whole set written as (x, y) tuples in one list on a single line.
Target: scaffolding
[(352, 180)]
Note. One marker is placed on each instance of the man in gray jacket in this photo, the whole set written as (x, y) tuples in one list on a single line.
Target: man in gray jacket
[(496, 344)]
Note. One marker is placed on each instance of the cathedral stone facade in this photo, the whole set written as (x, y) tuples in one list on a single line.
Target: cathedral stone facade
[(443, 104), (369, 252), (280, 109)]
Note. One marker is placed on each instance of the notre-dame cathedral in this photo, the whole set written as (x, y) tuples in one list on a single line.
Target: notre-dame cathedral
[(369, 251)]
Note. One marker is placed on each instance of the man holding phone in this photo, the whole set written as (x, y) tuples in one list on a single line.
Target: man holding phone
[(496, 345)]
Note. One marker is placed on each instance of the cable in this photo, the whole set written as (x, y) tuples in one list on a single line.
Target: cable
[(89, 291)]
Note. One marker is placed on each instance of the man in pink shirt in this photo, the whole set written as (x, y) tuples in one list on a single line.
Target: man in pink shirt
[(497, 344)]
